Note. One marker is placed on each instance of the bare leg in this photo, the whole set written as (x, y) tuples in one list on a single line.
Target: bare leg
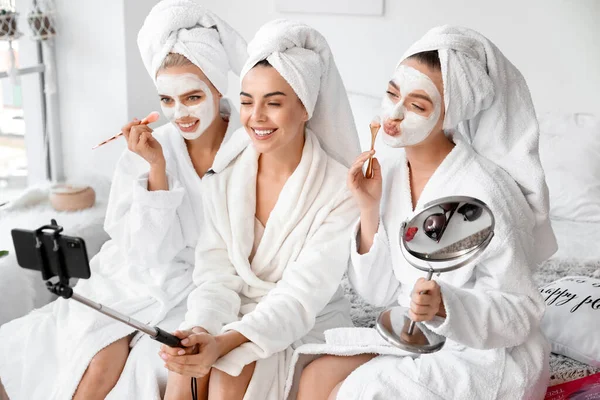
[(227, 387), (104, 371), (323, 375), (3, 395), (179, 387)]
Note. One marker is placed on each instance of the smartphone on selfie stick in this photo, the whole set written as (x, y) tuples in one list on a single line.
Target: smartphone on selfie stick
[(65, 257)]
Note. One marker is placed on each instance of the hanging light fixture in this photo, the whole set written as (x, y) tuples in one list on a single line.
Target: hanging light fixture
[(9, 32), (8, 21), (42, 23), (41, 20)]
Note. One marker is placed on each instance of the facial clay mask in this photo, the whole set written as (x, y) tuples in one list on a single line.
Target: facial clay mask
[(176, 85), (414, 128)]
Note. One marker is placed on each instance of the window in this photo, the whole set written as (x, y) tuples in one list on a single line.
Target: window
[(13, 154), (24, 151)]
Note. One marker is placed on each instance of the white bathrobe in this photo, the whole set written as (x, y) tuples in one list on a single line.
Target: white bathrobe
[(494, 348), (290, 293), (144, 271)]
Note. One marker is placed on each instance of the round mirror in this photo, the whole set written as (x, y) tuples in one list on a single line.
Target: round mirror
[(446, 234)]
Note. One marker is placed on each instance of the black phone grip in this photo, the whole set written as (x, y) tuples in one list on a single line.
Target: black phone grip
[(166, 338), (173, 341)]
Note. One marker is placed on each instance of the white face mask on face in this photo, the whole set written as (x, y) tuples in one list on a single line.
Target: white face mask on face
[(414, 128), (176, 85)]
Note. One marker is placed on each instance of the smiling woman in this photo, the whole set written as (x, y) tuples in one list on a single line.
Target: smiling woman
[(153, 218), (188, 98), (258, 296), (271, 111)]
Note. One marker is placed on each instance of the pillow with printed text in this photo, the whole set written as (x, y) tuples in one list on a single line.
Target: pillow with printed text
[(572, 319)]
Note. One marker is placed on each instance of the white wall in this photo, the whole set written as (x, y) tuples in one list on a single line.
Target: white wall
[(141, 95), (553, 42), (91, 79), (101, 79), (103, 83)]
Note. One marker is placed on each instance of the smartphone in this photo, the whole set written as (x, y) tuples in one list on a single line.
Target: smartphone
[(73, 250)]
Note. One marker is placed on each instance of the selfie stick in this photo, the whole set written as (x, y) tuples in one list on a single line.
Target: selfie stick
[(62, 289)]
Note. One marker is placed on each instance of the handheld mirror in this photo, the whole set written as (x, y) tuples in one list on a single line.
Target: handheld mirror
[(445, 235)]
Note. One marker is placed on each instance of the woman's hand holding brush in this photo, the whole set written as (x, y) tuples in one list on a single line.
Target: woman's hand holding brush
[(152, 117), (367, 192), (141, 142), (374, 126)]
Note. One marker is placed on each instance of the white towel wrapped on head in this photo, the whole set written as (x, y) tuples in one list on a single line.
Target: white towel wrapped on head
[(478, 77), (303, 58), (187, 28)]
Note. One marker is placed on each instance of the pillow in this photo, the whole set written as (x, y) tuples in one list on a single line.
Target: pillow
[(572, 319), (570, 155)]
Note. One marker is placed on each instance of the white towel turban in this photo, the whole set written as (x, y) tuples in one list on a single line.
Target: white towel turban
[(303, 58), (185, 27), (488, 102)]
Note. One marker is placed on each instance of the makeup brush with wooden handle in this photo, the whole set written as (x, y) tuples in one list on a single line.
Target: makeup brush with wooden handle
[(152, 117), (374, 125)]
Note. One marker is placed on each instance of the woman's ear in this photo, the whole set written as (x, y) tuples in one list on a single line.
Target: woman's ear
[(305, 117)]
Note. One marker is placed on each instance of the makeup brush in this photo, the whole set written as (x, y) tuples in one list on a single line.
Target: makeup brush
[(152, 117), (374, 125)]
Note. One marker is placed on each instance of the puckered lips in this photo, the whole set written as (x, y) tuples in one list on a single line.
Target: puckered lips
[(391, 127)]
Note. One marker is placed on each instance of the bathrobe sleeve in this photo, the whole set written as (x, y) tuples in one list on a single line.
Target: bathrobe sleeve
[(215, 300), (288, 312), (144, 224), (502, 306), (371, 274)]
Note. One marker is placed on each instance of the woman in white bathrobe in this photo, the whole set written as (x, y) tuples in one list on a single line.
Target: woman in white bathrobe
[(464, 117), (272, 254), (154, 215)]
